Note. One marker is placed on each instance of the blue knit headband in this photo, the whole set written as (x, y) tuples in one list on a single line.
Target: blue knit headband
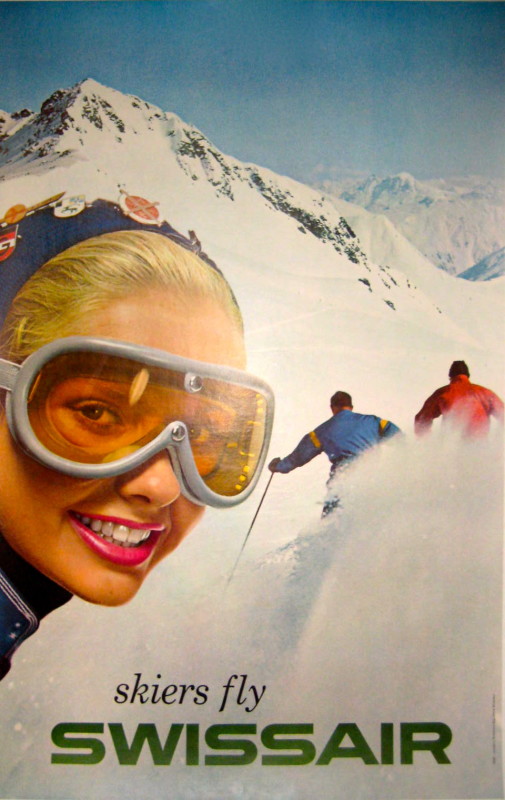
[(31, 236)]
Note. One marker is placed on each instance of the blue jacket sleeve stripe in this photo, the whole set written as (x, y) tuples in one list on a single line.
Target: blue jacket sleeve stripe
[(305, 451), (387, 429)]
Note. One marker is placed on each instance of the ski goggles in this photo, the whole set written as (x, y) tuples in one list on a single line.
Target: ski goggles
[(95, 408)]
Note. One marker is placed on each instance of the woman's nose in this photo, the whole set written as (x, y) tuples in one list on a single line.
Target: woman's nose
[(153, 482)]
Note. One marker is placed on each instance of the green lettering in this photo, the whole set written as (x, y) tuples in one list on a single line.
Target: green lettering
[(192, 745), (437, 746), (360, 747), (248, 750), (129, 755), (387, 746), (95, 746), (307, 751)]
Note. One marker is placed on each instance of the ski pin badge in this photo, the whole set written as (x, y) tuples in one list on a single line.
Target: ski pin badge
[(139, 209), (19, 211), (8, 241), (70, 206)]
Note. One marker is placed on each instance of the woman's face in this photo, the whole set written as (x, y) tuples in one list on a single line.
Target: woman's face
[(48, 517)]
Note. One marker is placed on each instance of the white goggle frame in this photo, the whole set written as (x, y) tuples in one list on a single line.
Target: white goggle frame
[(17, 379)]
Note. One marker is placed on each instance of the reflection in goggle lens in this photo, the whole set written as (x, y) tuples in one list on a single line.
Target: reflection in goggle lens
[(92, 408)]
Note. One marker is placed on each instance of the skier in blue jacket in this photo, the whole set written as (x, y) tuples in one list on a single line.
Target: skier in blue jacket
[(342, 437)]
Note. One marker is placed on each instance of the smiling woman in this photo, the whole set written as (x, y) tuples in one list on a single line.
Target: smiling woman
[(126, 406)]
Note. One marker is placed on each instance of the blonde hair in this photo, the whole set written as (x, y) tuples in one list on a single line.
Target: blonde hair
[(89, 275)]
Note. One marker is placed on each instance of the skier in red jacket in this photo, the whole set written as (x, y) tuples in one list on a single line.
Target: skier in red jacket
[(466, 405)]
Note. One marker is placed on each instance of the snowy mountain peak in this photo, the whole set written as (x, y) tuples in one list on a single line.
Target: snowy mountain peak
[(402, 182), (90, 85), (91, 122), (72, 122), (381, 194), (90, 106)]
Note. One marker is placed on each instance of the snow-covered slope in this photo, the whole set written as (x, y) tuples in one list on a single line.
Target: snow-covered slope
[(358, 621), (454, 224)]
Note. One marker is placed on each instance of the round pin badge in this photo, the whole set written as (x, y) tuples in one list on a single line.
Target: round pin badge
[(15, 214), (140, 209), (70, 206)]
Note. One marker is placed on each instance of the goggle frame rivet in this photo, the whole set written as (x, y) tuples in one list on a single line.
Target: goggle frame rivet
[(192, 382), (178, 433)]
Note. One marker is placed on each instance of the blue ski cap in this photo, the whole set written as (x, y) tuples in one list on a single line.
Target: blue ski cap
[(31, 236)]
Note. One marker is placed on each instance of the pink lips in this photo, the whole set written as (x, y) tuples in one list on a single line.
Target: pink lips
[(115, 553)]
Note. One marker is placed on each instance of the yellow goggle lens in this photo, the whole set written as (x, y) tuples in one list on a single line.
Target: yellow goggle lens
[(92, 408)]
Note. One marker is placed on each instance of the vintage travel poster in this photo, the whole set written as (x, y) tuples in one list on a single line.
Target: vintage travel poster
[(247, 549)]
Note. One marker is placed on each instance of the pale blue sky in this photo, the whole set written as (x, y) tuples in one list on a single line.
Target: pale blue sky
[(289, 84)]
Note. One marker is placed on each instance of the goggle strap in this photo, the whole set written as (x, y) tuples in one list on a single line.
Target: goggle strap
[(8, 373)]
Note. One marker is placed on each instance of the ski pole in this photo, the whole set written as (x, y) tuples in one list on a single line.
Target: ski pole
[(250, 528)]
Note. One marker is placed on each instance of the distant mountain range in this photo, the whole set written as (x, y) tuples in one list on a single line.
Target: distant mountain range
[(314, 250), (454, 224)]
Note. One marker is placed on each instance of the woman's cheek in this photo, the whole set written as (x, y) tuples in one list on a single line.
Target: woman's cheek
[(184, 516)]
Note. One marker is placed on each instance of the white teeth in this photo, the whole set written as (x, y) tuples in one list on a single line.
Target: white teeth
[(122, 533), (113, 532)]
